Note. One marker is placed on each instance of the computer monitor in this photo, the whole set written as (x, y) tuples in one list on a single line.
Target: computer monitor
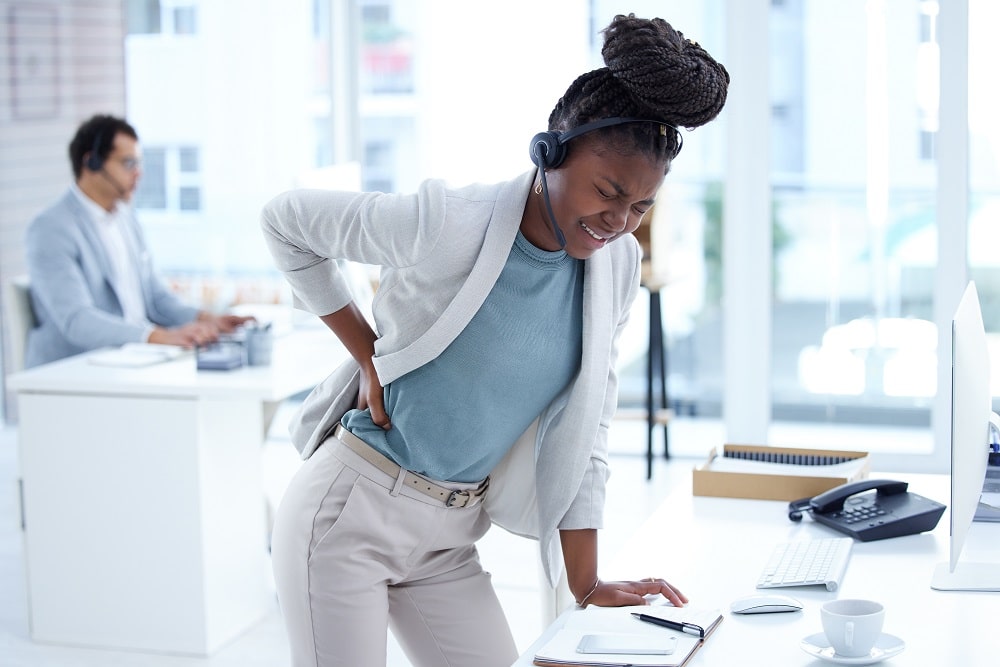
[(971, 410)]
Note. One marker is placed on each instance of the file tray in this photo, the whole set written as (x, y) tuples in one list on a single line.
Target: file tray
[(777, 473)]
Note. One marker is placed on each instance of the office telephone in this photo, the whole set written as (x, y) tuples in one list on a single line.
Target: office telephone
[(891, 511)]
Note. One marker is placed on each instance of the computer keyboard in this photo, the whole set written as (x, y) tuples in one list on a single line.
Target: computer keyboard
[(820, 561)]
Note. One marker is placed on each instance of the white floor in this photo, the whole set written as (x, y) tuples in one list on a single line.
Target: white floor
[(511, 559)]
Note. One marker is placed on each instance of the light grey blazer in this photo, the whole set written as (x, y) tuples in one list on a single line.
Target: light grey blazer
[(72, 290), (440, 252)]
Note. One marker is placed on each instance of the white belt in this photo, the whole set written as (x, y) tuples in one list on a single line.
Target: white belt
[(449, 497)]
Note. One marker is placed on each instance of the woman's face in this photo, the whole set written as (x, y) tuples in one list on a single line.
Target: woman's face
[(597, 196)]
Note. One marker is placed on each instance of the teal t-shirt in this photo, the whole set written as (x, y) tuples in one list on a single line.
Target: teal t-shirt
[(455, 417)]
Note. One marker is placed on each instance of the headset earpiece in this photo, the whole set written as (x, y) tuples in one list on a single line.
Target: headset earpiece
[(547, 152), (94, 161), (548, 149)]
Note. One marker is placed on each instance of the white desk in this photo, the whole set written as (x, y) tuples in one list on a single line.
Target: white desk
[(143, 500), (713, 549)]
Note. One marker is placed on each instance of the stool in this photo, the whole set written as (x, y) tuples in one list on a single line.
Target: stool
[(657, 405), (657, 401)]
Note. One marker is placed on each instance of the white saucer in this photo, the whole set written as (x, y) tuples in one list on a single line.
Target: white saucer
[(887, 646)]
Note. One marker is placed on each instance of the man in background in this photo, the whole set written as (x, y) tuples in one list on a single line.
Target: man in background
[(92, 278)]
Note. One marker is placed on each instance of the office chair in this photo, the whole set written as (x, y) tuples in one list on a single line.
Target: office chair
[(19, 318)]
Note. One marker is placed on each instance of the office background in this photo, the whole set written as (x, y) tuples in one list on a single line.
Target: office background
[(814, 240)]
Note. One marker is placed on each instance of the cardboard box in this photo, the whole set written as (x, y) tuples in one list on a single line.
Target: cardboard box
[(777, 473)]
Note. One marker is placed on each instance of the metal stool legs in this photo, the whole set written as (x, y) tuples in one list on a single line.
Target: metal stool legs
[(656, 381)]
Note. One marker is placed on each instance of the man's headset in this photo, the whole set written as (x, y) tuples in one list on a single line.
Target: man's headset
[(95, 163), (548, 150)]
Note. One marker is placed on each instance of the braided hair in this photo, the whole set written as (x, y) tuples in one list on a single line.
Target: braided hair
[(651, 71)]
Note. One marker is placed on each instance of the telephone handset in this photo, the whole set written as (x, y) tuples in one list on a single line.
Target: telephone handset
[(891, 511)]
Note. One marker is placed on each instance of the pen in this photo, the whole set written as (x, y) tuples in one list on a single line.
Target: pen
[(689, 628)]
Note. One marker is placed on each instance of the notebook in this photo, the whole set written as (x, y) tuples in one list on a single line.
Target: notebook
[(618, 622)]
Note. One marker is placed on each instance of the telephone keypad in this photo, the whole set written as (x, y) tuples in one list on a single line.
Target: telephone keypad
[(861, 513)]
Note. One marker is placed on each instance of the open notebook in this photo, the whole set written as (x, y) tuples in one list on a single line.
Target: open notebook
[(617, 625)]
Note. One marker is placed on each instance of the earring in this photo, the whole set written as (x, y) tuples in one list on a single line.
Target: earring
[(538, 188)]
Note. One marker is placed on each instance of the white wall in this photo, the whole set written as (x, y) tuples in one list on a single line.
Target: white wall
[(488, 84), (61, 62), (244, 82)]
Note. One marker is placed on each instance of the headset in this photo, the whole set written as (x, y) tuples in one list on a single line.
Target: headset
[(548, 150), (94, 161)]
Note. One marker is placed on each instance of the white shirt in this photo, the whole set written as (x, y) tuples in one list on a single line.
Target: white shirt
[(125, 277)]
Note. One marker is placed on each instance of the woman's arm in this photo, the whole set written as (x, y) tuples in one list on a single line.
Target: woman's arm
[(580, 555), (353, 330)]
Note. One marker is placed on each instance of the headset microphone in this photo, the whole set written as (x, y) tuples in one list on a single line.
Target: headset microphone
[(548, 204), (121, 191)]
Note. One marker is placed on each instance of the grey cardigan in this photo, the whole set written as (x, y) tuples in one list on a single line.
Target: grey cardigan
[(440, 252)]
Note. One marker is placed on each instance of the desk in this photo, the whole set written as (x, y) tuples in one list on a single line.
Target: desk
[(142, 496), (715, 548)]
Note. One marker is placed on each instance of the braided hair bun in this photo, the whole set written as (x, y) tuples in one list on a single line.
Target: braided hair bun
[(671, 77), (651, 72)]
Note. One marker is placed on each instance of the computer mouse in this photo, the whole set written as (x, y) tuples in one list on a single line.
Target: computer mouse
[(765, 604)]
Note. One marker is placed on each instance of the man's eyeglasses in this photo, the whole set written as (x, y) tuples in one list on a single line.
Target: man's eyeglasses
[(130, 164)]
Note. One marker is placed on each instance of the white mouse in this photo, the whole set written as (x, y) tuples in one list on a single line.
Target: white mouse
[(765, 604)]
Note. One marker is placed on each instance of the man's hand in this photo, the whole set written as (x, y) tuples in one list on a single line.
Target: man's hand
[(192, 334), (225, 323)]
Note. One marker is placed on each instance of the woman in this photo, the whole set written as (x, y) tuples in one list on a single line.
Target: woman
[(497, 316)]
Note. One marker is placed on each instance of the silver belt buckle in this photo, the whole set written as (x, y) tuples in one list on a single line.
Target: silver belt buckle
[(455, 496)]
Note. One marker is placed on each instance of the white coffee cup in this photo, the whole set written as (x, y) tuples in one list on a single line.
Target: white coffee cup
[(852, 626)]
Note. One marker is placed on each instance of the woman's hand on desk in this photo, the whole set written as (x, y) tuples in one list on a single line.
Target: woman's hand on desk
[(628, 593)]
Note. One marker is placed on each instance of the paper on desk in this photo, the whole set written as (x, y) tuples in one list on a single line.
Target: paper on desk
[(135, 355), (561, 649)]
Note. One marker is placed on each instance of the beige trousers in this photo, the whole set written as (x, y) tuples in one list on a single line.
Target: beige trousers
[(353, 555)]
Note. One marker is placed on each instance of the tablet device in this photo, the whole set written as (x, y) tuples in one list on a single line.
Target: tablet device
[(623, 644)]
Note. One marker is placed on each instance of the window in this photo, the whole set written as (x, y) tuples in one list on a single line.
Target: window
[(171, 179), (854, 339), (188, 159), (152, 190), (142, 17), (984, 173), (168, 17), (185, 21), (189, 199), (386, 52), (926, 145), (378, 166)]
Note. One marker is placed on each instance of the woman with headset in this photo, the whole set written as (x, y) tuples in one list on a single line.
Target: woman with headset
[(484, 392)]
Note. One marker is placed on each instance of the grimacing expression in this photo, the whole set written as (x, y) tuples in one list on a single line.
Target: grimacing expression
[(599, 195)]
